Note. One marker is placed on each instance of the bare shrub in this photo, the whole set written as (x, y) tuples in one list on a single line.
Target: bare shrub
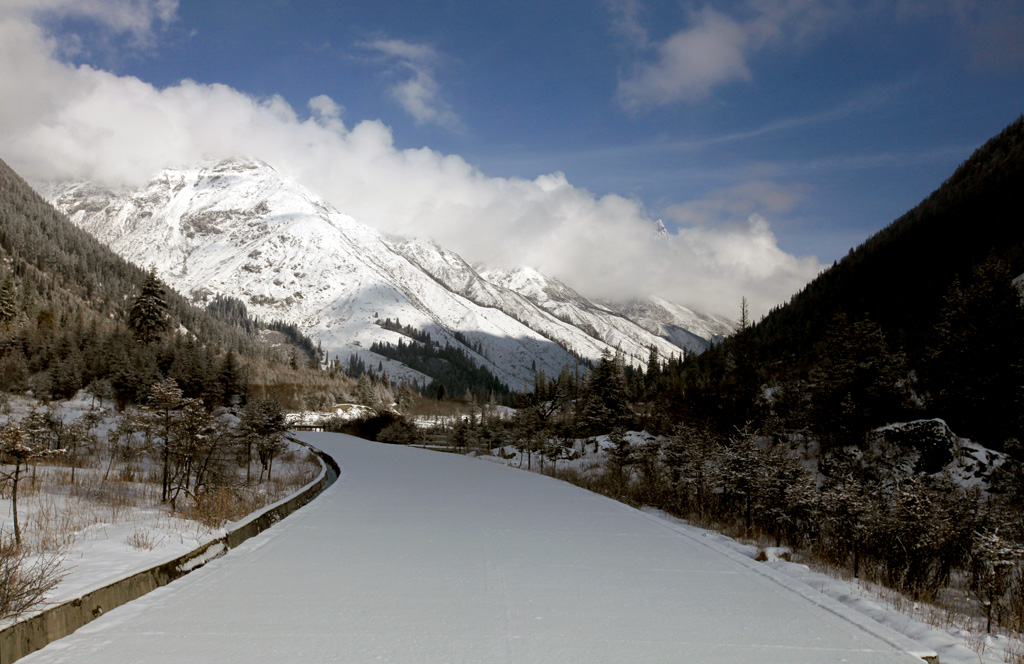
[(25, 581), (219, 506), (144, 540)]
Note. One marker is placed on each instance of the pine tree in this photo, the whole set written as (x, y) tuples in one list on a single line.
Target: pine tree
[(164, 397), (847, 514), (994, 559), (231, 381), (606, 406), (691, 460), (858, 384), (194, 441), (405, 396), (262, 426), (741, 468), (8, 302), (621, 455), (975, 366), (14, 370), (741, 384), (653, 367), (147, 316), (39, 430), (365, 393)]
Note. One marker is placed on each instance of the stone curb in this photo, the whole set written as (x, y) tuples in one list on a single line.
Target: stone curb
[(33, 633)]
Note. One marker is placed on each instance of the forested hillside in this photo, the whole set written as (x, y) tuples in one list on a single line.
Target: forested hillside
[(73, 314), (900, 276), (919, 320)]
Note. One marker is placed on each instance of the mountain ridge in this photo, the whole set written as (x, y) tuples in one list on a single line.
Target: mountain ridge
[(241, 228)]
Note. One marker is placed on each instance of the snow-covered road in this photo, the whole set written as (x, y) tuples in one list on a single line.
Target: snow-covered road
[(419, 556)]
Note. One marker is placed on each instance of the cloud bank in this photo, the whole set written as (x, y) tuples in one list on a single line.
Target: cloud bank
[(60, 121)]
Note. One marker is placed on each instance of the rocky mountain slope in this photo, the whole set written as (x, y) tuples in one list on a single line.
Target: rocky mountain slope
[(615, 321), (243, 229)]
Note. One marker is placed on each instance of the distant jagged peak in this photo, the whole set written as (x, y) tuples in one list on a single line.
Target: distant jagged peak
[(241, 163), (660, 230), (214, 170), (522, 275), (658, 315), (211, 168)]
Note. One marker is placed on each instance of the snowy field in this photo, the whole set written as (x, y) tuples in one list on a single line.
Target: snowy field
[(415, 556)]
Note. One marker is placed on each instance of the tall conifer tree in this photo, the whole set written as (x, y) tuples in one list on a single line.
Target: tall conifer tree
[(147, 317)]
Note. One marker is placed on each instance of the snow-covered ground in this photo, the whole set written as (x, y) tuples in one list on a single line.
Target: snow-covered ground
[(880, 605), (957, 640), (415, 556), (107, 530)]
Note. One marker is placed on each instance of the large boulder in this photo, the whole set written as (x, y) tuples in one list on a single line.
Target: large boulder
[(935, 443)]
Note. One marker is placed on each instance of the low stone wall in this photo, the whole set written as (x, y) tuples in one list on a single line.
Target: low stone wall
[(33, 633)]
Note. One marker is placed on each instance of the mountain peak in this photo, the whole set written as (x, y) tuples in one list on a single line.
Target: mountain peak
[(240, 228)]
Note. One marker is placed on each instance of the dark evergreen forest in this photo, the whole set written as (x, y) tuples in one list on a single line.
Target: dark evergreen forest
[(921, 320), (454, 373)]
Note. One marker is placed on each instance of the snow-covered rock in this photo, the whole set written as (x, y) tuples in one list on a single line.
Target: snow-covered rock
[(930, 447), (932, 440)]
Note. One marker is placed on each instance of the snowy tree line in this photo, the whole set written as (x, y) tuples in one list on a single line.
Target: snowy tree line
[(196, 451)]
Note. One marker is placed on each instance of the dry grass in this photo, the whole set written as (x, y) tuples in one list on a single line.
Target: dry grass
[(220, 506), (55, 512), (293, 470), (144, 540), (955, 612)]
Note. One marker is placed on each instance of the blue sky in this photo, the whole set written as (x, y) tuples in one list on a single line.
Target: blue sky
[(804, 124)]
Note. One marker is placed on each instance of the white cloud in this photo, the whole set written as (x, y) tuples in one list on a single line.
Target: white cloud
[(326, 108), (690, 63), (714, 48), (626, 21), (64, 122), (139, 18), (736, 203), (419, 93)]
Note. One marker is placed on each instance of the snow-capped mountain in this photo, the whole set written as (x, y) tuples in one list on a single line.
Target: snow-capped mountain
[(241, 228), (616, 324), (683, 326)]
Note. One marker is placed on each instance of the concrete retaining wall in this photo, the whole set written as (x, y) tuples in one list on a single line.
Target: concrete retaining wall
[(33, 633)]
